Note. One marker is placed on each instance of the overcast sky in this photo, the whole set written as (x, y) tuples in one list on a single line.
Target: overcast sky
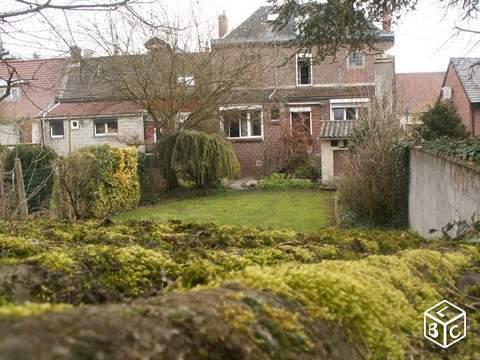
[(425, 38)]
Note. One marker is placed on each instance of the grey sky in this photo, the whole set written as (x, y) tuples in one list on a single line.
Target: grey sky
[(424, 39)]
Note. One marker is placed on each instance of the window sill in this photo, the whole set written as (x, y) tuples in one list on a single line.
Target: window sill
[(57, 137), (246, 139), (105, 135), (304, 85)]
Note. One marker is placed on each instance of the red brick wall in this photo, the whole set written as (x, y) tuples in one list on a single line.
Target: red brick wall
[(476, 115), (459, 98), (268, 150)]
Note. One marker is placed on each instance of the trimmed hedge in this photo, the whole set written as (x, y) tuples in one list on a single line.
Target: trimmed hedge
[(281, 182), (96, 182)]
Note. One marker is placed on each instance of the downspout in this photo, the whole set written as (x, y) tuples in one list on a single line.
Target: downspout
[(45, 114), (472, 117), (276, 68)]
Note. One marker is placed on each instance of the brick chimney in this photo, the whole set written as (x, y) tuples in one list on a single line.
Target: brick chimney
[(75, 52), (222, 25), (387, 21)]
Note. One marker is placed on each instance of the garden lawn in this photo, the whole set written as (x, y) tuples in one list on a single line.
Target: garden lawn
[(303, 211)]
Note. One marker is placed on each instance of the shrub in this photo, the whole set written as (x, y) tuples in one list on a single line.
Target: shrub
[(441, 120), (205, 159), (374, 188), (460, 149), (152, 183), (96, 182), (37, 166), (282, 182)]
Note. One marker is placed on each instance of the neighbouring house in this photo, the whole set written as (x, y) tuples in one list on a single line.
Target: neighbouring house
[(461, 87), (323, 97), (33, 84), (415, 93)]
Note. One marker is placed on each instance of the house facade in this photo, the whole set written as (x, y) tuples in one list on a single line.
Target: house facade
[(461, 87), (33, 84), (295, 89)]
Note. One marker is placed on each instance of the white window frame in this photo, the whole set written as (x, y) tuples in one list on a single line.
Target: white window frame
[(74, 124), (248, 109), (295, 110), (188, 80), (106, 120), (349, 66), (51, 129), (347, 103), (304, 56)]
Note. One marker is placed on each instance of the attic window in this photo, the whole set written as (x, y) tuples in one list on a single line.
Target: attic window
[(15, 93), (272, 17), (304, 69), (188, 80)]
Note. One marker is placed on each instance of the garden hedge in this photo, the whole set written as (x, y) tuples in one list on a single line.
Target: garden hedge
[(96, 182)]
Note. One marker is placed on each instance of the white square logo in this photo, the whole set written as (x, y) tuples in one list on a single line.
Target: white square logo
[(445, 324)]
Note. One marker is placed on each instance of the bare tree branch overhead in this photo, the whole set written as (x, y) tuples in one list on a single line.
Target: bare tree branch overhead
[(31, 7)]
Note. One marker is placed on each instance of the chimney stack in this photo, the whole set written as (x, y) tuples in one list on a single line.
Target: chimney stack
[(75, 52), (387, 21), (222, 25)]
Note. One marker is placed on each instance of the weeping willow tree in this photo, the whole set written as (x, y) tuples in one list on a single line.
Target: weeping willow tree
[(196, 156)]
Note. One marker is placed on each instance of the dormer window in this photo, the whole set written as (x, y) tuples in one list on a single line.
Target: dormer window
[(304, 70), (188, 80), (356, 60), (272, 17), (15, 93)]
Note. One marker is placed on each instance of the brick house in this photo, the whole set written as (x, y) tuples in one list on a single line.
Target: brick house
[(294, 88), (289, 88), (461, 87), (415, 93), (34, 86)]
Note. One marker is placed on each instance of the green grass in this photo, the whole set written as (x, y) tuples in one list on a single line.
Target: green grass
[(304, 211)]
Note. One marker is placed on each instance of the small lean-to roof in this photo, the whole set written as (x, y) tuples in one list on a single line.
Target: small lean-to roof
[(468, 71), (336, 129), (86, 109), (416, 92)]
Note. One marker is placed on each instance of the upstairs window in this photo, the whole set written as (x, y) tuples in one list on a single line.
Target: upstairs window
[(243, 124), (356, 60), (186, 80), (304, 69), (15, 93), (56, 129), (105, 127)]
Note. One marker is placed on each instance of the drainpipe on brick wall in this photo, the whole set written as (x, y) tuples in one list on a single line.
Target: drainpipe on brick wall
[(275, 70), (472, 118)]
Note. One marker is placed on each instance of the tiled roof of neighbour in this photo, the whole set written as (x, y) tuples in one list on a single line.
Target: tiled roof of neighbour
[(41, 80), (108, 77), (416, 92), (257, 29), (94, 108), (336, 129), (468, 70), (303, 94)]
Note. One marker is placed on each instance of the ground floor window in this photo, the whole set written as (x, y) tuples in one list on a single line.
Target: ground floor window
[(104, 127), (301, 120), (56, 129), (242, 123)]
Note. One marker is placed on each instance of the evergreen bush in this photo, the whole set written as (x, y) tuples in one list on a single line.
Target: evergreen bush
[(205, 159), (441, 120), (96, 182)]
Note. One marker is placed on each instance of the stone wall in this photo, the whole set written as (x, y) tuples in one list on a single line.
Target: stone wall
[(441, 191)]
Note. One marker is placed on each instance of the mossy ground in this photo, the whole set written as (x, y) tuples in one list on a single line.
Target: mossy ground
[(263, 293)]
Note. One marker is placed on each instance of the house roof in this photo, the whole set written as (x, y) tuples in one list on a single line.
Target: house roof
[(336, 129), (468, 71), (258, 29), (94, 108), (416, 92), (41, 80)]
